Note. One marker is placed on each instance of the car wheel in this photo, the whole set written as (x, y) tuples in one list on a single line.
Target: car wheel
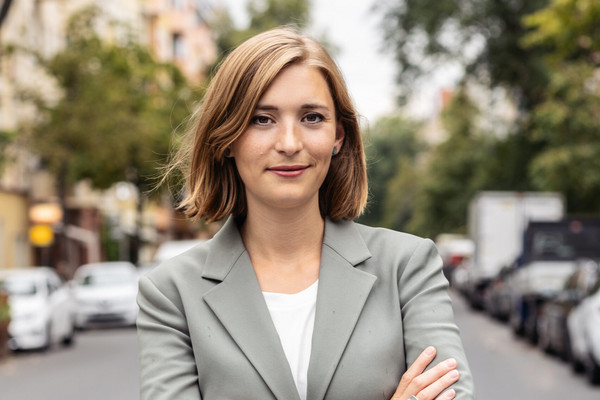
[(515, 323), (593, 371), (577, 364), (543, 337), (69, 338)]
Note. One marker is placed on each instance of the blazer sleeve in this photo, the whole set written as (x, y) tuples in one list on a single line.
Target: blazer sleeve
[(167, 365), (428, 318)]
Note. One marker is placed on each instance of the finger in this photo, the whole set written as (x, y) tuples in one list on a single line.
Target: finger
[(435, 377), (429, 377), (439, 385), (422, 361)]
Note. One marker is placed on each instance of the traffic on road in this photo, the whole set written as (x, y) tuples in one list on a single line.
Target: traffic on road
[(71, 338), (536, 270), (102, 364)]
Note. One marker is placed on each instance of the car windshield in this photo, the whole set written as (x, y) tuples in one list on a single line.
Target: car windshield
[(19, 287), (107, 278), (562, 244)]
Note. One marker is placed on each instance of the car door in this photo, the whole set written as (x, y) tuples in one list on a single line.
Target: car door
[(59, 301)]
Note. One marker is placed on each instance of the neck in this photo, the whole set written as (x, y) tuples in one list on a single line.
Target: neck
[(283, 234), (285, 248)]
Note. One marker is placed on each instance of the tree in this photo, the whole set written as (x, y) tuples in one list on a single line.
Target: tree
[(115, 114), (263, 15), (6, 138), (567, 121), (481, 35), (453, 173), (392, 148), (546, 53), (117, 110)]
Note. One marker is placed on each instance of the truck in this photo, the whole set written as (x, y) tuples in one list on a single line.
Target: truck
[(496, 223), (551, 253)]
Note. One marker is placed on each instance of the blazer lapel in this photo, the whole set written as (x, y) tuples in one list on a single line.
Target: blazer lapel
[(343, 291), (239, 305)]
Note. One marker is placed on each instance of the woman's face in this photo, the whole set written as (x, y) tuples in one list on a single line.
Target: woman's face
[(284, 155)]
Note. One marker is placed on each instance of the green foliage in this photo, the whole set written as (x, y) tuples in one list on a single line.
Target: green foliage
[(267, 14), (118, 109), (4, 305), (546, 53), (424, 34), (573, 170), (454, 168), (263, 15), (567, 122), (6, 138), (391, 153), (570, 28), (401, 195)]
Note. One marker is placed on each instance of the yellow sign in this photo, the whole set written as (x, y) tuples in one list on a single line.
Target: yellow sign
[(41, 235)]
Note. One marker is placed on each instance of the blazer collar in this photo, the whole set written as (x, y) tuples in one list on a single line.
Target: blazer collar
[(240, 306), (227, 246), (225, 249)]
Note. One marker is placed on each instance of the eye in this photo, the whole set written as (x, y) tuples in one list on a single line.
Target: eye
[(261, 120), (313, 118)]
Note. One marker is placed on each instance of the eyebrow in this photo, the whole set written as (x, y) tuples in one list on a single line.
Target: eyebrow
[(267, 107)]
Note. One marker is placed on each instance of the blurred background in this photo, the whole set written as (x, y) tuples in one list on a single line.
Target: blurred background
[(481, 122)]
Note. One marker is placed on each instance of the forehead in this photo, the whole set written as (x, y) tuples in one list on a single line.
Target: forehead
[(298, 82)]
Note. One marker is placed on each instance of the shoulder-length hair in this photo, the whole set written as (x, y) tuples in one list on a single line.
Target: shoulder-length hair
[(213, 187)]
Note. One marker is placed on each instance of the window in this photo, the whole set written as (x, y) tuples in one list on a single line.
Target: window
[(179, 50)]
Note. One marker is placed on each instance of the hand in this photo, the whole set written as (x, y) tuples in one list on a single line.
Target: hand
[(427, 385)]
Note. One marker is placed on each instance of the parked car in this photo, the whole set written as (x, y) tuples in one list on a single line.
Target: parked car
[(167, 250), (41, 308), (105, 292), (172, 248), (497, 297), (553, 335), (551, 251), (584, 330)]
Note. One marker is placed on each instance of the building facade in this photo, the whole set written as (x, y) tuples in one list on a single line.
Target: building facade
[(174, 30)]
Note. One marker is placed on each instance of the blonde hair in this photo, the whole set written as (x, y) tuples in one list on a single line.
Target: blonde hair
[(214, 188)]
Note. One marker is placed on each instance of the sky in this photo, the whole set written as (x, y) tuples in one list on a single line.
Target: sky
[(350, 26), (369, 72)]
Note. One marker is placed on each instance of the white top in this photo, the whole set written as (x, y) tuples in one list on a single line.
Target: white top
[(294, 319)]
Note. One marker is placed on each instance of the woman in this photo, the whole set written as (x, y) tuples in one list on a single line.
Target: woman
[(291, 299)]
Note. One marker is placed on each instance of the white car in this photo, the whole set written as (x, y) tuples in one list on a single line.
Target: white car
[(105, 292), (172, 248), (583, 324), (41, 308), (166, 251)]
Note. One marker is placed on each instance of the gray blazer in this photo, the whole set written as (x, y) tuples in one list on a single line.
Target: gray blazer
[(205, 331)]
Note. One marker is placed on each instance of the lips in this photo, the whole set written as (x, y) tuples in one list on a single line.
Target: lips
[(288, 171)]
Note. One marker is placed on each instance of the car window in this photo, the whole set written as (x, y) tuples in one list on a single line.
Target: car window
[(107, 278), (20, 287)]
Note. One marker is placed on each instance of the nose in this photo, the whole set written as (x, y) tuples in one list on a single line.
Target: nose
[(288, 138)]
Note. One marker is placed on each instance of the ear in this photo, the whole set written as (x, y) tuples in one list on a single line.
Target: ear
[(340, 134)]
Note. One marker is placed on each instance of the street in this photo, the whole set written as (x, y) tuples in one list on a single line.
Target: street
[(509, 368), (103, 365)]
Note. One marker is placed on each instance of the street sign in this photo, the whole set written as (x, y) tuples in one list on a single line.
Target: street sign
[(41, 235)]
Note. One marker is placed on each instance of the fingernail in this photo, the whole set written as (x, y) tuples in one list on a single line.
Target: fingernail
[(450, 394), (453, 374), (451, 363), (430, 350)]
